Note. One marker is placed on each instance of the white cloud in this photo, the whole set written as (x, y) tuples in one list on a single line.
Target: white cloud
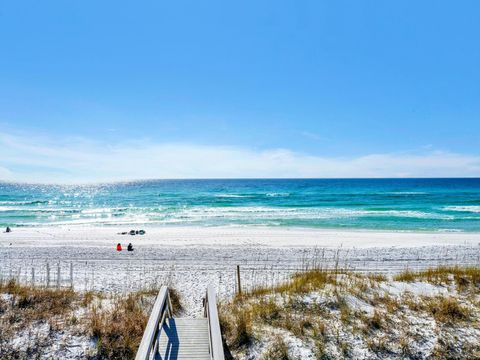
[(76, 160)]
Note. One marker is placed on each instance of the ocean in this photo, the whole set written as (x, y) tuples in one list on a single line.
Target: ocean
[(377, 204)]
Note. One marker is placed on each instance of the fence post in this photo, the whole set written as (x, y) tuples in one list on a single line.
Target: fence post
[(239, 289), (71, 275), (58, 275), (48, 274), (33, 276)]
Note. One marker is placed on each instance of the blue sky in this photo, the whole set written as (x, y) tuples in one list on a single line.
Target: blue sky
[(336, 81)]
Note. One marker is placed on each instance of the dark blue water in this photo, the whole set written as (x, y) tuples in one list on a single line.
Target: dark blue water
[(395, 204)]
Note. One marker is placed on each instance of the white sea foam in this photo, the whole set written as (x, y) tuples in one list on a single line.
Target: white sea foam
[(35, 209), (97, 211), (471, 208), (277, 194), (450, 230), (214, 215), (21, 202), (98, 221), (254, 212)]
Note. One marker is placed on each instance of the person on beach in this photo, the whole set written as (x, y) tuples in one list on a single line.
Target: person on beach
[(119, 247), (8, 229), (130, 247)]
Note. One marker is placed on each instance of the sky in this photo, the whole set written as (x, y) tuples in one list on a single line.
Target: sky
[(111, 91)]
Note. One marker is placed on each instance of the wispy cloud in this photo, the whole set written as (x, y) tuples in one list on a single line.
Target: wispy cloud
[(78, 160), (311, 136)]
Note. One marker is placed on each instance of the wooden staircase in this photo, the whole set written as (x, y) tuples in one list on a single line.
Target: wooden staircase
[(170, 338)]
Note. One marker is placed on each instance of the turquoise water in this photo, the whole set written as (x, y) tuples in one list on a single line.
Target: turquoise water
[(390, 204)]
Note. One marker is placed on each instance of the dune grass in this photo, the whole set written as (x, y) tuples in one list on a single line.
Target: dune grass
[(465, 278), (320, 307), (115, 322), (278, 350), (38, 303), (119, 328)]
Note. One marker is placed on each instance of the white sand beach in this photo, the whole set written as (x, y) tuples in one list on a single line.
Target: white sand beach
[(191, 257), (219, 236)]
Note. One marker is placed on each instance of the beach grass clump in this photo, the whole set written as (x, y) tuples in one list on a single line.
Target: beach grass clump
[(447, 309), (345, 311), (311, 280), (267, 310), (464, 278), (406, 275), (118, 330), (236, 326), (374, 322), (386, 301), (277, 350), (296, 324), (448, 348), (378, 344), (88, 297), (33, 303), (299, 283), (413, 303), (405, 346), (175, 300), (376, 277)]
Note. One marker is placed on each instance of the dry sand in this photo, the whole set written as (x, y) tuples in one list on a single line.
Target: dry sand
[(232, 236), (189, 258)]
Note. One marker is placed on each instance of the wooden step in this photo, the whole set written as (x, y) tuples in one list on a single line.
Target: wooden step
[(182, 339)]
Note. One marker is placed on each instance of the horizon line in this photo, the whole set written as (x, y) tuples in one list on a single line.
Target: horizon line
[(114, 182)]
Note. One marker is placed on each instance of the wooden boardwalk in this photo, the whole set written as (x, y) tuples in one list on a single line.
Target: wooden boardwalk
[(169, 338)]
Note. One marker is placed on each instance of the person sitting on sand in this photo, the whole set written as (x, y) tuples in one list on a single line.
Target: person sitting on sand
[(8, 229), (130, 247), (119, 247)]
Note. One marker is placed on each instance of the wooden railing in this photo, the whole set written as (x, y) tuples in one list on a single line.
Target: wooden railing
[(161, 310), (214, 333)]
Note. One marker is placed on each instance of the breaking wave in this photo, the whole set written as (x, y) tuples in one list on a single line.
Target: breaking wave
[(470, 208)]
